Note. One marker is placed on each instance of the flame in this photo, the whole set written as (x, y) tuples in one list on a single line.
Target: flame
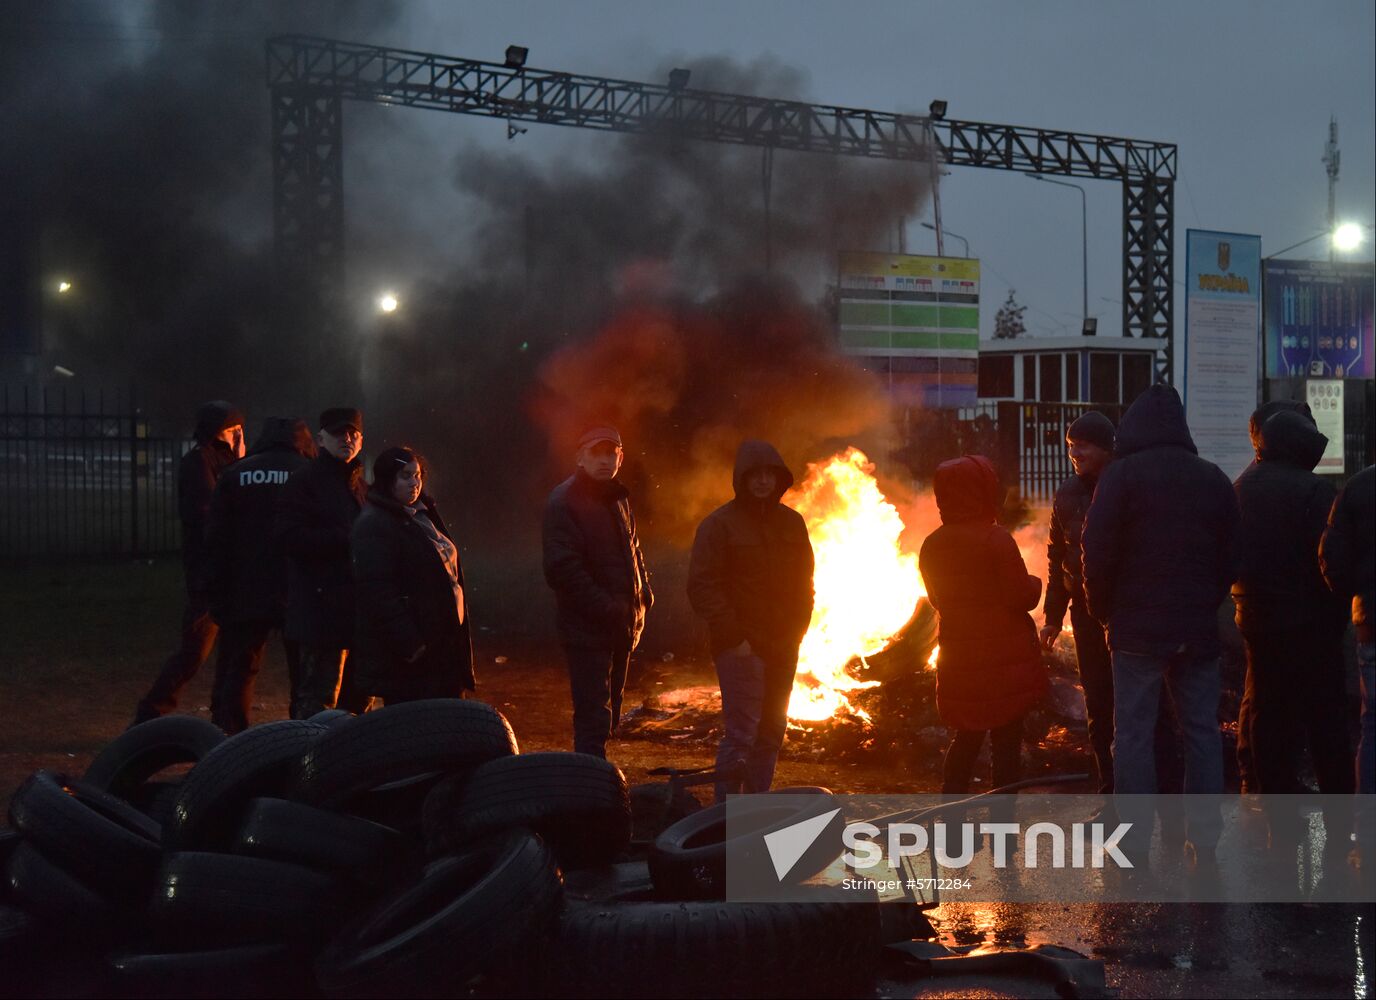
[(866, 584)]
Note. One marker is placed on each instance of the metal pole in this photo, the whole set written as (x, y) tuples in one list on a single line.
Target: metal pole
[(934, 180), (1084, 243)]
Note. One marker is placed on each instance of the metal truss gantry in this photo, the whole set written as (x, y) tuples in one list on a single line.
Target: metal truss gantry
[(310, 78)]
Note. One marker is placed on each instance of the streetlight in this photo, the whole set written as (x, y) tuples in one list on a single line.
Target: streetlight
[(947, 232), (63, 287), (387, 302), (1084, 240), (1348, 236)]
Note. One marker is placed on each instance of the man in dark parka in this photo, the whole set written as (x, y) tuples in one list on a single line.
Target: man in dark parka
[(319, 506), (247, 570), (750, 579), (219, 436), (593, 563)]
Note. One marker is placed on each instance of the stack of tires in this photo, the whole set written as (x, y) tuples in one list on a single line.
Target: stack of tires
[(407, 852)]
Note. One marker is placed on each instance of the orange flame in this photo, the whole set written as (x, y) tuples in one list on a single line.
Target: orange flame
[(866, 584)]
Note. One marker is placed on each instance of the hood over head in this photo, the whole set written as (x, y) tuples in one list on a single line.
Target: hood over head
[(213, 417), (1289, 438), (1155, 420), (285, 433), (967, 489), (752, 454), (1266, 411)]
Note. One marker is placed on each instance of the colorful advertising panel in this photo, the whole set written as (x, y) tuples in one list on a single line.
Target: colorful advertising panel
[(1325, 399), (914, 322), (1318, 319), (1222, 344)]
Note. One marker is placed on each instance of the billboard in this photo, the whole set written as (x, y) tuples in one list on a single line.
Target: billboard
[(1318, 319), (1325, 399), (914, 322), (1222, 343)]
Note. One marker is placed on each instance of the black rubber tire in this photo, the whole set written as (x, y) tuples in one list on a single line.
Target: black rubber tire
[(256, 970), (400, 742), (9, 840), (57, 898), (137, 754), (577, 803), (398, 804), (211, 801), (156, 800), (366, 852), (104, 841), (688, 860), (16, 930), (227, 899), (635, 948), (331, 717), (469, 914)]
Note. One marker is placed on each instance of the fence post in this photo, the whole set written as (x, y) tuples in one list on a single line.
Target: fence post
[(1010, 443)]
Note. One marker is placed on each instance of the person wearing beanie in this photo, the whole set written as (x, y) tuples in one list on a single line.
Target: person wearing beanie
[(414, 636), (593, 563), (319, 506), (219, 437), (247, 576), (1089, 441), (1159, 556), (750, 580), (989, 671)]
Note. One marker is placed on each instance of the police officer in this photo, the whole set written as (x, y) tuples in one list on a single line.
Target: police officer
[(247, 569), (319, 506)]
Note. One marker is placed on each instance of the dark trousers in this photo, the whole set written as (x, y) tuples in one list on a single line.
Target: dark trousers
[(1299, 698), (325, 682), (242, 645), (1096, 678), (198, 637), (754, 705), (597, 680), (965, 746)]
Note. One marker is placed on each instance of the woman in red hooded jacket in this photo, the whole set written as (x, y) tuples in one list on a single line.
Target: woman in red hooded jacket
[(989, 673)]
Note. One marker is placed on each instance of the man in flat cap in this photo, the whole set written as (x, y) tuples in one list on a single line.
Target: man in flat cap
[(593, 562), (219, 438), (319, 504)]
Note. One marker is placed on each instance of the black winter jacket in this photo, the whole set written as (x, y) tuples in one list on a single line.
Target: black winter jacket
[(1283, 508), (1160, 535), (405, 601), (197, 473), (593, 562), (1348, 550), (319, 506), (750, 575), (1065, 582), (246, 567)]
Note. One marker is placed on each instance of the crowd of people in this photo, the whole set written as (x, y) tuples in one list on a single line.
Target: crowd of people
[(1147, 539)]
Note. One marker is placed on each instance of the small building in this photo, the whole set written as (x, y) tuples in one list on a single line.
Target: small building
[(1103, 370)]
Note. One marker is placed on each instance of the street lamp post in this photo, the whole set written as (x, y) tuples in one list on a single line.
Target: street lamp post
[(947, 232), (1084, 241)]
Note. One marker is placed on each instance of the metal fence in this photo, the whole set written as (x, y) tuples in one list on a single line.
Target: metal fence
[(80, 475), (1031, 449)]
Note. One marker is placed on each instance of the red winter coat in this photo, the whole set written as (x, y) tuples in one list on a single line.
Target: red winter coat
[(989, 671)]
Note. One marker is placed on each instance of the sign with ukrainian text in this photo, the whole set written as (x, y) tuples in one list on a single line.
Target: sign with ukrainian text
[(1222, 343), (1319, 319), (914, 322)]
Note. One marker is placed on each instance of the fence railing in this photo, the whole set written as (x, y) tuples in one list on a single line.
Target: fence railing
[(80, 475), (1031, 450)]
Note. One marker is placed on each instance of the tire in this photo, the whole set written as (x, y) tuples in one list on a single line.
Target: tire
[(401, 742), (9, 840), (212, 798), (57, 898), (138, 753), (331, 717), (467, 915), (398, 804), (16, 930), (688, 860), (635, 948), (261, 970), (104, 841), (363, 851), (156, 799), (577, 803), (227, 899)]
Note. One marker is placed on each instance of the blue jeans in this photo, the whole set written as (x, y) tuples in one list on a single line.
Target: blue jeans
[(754, 708), (1192, 681), (1366, 749)]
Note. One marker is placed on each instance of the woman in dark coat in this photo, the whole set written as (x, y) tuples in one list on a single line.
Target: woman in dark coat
[(989, 672), (413, 639)]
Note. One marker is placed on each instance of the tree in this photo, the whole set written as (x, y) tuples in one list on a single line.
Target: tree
[(1008, 322)]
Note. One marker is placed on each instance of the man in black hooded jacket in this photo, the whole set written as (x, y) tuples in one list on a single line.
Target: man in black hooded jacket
[(247, 569), (750, 579), (219, 438)]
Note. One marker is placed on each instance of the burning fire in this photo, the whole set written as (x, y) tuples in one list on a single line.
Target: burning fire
[(866, 584)]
